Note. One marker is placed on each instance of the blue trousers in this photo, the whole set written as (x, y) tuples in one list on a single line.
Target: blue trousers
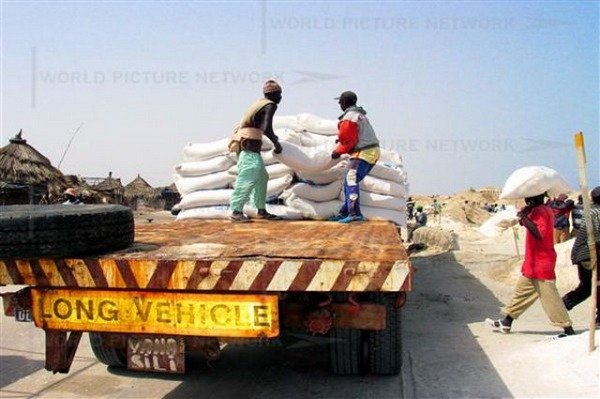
[(358, 170)]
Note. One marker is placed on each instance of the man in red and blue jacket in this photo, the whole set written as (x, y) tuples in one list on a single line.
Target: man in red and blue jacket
[(357, 138)]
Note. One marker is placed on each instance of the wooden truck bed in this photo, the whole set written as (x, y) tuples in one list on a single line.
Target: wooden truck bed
[(218, 255)]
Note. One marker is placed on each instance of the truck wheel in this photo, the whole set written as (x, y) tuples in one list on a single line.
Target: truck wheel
[(385, 346), (110, 356), (31, 231), (345, 351)]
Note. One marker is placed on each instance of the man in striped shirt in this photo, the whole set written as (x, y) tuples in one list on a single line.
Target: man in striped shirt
[(577, 215), (580, 256)]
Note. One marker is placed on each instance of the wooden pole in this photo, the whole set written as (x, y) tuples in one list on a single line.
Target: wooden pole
[(515, 230), (591, 240)]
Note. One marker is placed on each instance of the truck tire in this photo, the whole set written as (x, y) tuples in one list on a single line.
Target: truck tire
[(30, 231), (385, 346), (110, 356), (345, 351)]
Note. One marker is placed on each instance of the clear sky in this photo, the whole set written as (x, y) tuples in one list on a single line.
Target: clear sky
[(465, 91)]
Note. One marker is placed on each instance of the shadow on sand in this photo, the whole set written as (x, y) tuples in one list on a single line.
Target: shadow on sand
[(442, 358)]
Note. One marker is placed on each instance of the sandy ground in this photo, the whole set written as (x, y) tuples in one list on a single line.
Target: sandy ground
[(528, 361)]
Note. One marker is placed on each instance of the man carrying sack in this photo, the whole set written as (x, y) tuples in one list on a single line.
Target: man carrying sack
[(247, 142)]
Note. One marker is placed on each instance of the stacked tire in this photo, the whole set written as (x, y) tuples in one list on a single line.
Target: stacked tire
[(33, 231)]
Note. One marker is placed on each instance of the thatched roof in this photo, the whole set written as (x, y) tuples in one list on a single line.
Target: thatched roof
[(20, 163), (139, 188), (110, 184)]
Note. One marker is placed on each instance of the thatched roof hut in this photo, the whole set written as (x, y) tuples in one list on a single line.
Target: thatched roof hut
[(23, 166), (140, 193), (111, 189), (139, 188)]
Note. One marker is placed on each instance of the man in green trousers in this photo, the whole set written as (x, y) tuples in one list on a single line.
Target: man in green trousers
[(252, 176)]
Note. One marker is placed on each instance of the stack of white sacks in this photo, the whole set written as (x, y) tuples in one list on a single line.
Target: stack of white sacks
[(207, 176)]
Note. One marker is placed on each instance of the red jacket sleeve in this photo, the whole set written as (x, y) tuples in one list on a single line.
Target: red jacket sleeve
[(347, 137)]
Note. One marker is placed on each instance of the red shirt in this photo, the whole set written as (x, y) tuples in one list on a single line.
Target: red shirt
[(347, 137), (540, 257)]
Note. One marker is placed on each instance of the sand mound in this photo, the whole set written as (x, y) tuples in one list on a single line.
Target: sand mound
[(433, 237), (465, 213)]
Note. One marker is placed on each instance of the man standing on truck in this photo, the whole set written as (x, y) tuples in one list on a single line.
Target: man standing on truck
[(538, 279), (357, 137), (247, 142)]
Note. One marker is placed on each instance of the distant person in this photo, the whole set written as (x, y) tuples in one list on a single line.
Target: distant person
[(71, 197), (356, 137), (538, 279), (420, 221), (580, 256), (437, 211), (247, 142), (410, 208), (561, 207), (577, 215)]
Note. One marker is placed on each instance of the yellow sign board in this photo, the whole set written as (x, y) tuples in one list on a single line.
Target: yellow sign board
[(143, 312)]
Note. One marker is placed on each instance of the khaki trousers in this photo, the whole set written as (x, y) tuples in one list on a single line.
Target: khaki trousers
[(561, 235), (528, 290)]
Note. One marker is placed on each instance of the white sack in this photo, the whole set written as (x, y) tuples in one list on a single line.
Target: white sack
[(398, 217), (533, 180), (317, 193), (203, 151), (316, 124), (391, 157), (186, 185), (276, 186), (200, 168), (388, 171), (324, 177), (502, 220), (205, 198), (325, 210), (268, 157), (306, 159), (314, 210), (379, 201), (386, 187), (277, 170), (308, 139), (286, 122)]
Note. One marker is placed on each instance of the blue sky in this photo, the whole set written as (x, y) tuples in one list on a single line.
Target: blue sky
[(465, 91)]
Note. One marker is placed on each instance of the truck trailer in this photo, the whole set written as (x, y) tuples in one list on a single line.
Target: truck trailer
[(199, 285)]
